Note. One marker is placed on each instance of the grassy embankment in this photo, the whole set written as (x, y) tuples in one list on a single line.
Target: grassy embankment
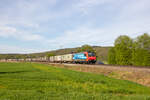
[(31, 81)]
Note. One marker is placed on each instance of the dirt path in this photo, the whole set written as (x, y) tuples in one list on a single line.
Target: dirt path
[(139, 75)]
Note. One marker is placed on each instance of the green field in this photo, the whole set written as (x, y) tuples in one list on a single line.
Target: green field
[(31, 81)]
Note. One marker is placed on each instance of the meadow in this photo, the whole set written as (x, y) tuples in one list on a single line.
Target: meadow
[(33, 81)]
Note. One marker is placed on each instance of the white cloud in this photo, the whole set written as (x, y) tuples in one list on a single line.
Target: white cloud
[(14, 49), (80, 36), (104, 36), (129, 17), (7, 32), (85, 5), (132, 19)]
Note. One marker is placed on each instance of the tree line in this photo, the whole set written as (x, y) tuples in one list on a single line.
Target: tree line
[(128, 51)]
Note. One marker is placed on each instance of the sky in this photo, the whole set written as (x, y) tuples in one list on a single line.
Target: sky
[(28, 26)]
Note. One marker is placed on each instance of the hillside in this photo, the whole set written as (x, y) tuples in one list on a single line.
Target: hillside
[(32, 81), (101, 52)]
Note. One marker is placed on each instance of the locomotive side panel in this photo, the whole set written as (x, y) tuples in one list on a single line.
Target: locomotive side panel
[(79, 57)]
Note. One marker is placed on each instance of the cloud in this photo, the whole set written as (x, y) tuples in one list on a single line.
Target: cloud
[(14, 49), (7, 32), (130, 18), (56, 23), (86, 5), (81, 36)]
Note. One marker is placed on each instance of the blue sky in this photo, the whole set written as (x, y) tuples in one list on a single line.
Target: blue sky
[(28, 26)]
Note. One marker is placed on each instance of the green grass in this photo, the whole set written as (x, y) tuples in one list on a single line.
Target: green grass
[(31, 81)]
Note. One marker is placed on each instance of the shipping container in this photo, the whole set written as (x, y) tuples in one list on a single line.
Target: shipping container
[(67, 58), (51, 59), (57, 58)]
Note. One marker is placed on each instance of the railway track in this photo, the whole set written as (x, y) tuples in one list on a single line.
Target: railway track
[(88, 65), (99, 65), (107, 65)]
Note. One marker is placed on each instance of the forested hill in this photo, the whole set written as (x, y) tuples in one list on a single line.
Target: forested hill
[(102, 53)]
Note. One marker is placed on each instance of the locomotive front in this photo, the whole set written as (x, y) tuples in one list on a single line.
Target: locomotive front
[(91, 57)]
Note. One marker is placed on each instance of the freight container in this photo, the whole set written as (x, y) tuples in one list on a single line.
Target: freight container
[(51, 59), (57, 58), (44, 59), (67, 58)]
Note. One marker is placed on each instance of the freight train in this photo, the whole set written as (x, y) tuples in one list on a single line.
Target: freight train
[(83, 57)]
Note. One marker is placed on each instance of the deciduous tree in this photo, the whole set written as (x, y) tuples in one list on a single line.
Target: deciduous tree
[(141, 50), (123, 49), (112, 56)]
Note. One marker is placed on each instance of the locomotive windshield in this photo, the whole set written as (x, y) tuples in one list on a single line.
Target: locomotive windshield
[(91, 54)]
